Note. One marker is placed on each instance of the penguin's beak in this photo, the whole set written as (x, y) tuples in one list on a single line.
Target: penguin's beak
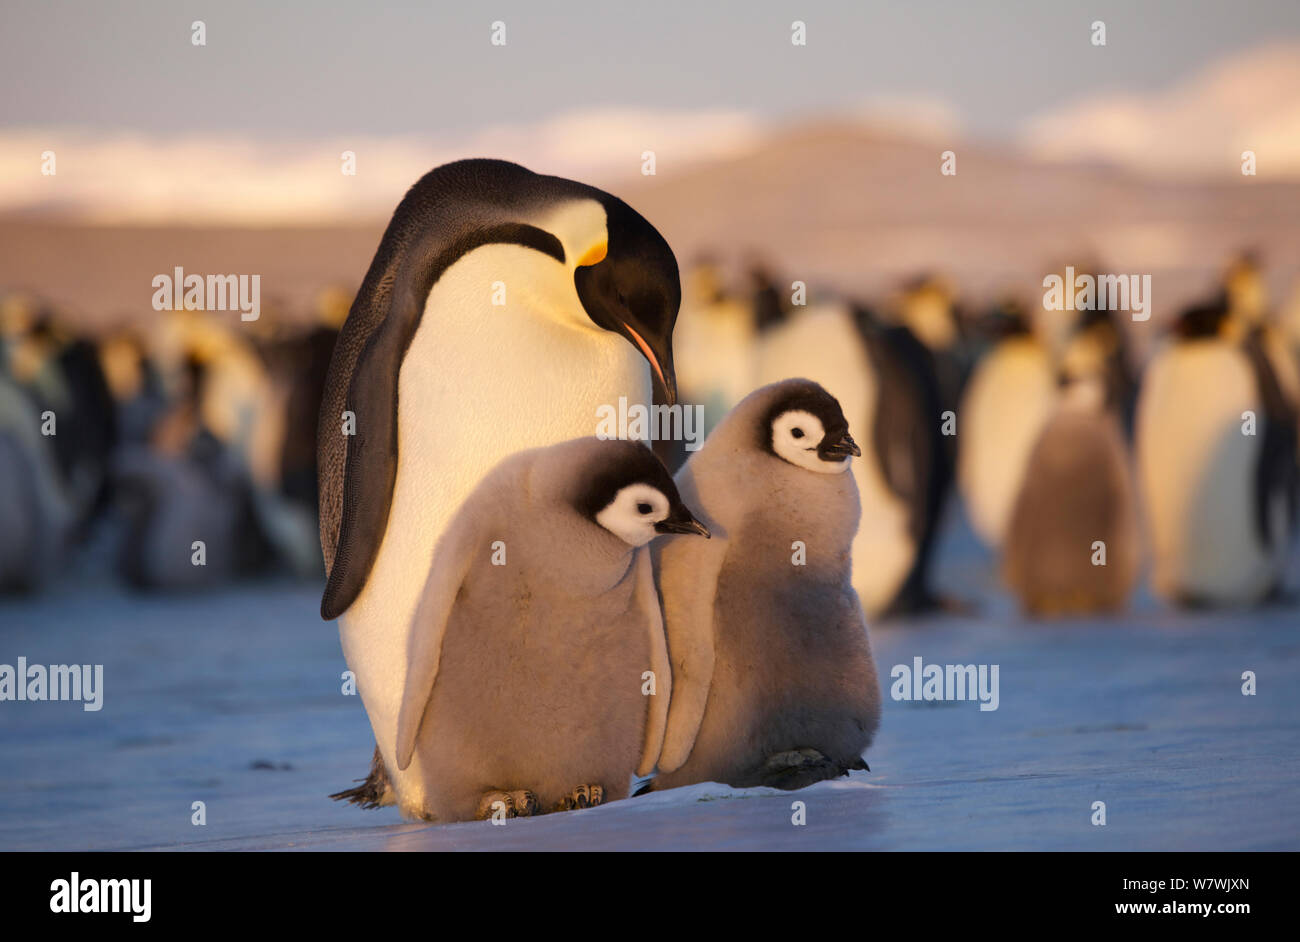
[(838, 449), (650, 331), (681, 521), (659, 354)]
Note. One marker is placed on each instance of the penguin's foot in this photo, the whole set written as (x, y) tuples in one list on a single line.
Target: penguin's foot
[(375, 791), (1068, 604), (518, 804), (584, 796)]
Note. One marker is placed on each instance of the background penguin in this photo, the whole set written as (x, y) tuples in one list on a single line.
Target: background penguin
[(525, 682), (825, 343), (917, 459), (238, 401), (34, 512), (1249, 320), (926, 307), (135, 384), (1099, 347), (443, 383), (62, 373), (767, 300), (1219, 496), (713, 344), (306, 363), (1076, 490), (773, 679), (242, 405), (185, 485), (1010, 395), (1289, 322)]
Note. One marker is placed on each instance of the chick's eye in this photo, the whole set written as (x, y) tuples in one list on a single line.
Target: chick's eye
[(797, 432), (644, 508)]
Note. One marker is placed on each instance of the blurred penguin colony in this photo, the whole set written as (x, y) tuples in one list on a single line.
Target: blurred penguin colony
[(1081, 468), (179, 453), (191, 437)]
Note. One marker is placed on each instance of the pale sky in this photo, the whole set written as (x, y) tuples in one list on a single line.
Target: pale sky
[(251, 127), (370, 68)]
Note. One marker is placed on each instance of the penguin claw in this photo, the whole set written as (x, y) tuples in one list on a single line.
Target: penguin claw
[(518, 804), (583, 796), (526, 804)]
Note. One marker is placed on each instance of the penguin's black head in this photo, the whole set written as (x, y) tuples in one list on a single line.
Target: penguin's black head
[(635, 291), (630, 494), (1006, 319), (805, 426), (1202, 320)]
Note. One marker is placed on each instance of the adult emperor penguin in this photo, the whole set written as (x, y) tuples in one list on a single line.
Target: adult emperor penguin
[(62, 371), (1249, 319), (501, 310), (34, 511), (1072, 543), (534, 635), (773, 679), (917, 457), (1216, 446), (714, 340), (1011, 393)]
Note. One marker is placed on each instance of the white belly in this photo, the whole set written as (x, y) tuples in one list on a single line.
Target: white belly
[(715, 350), (478, 384), (1003, 412), (1197, 473), (823, 345)]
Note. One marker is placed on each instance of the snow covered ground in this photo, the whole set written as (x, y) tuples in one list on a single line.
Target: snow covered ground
[(234, 699)]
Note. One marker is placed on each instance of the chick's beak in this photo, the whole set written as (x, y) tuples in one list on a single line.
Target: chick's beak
[(838, 449), (681, 521)]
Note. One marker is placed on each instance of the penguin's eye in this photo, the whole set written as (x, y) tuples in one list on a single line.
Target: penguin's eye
[(644, 508), (796, 432)]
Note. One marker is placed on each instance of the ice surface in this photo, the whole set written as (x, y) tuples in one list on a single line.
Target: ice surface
[(1143, 712)]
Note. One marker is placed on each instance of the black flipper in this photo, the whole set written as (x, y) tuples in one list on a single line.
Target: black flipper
[(450, 211), (907, 436), (1276, 473)]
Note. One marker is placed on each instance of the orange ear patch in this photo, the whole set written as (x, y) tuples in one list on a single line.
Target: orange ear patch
[(594, 254)]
